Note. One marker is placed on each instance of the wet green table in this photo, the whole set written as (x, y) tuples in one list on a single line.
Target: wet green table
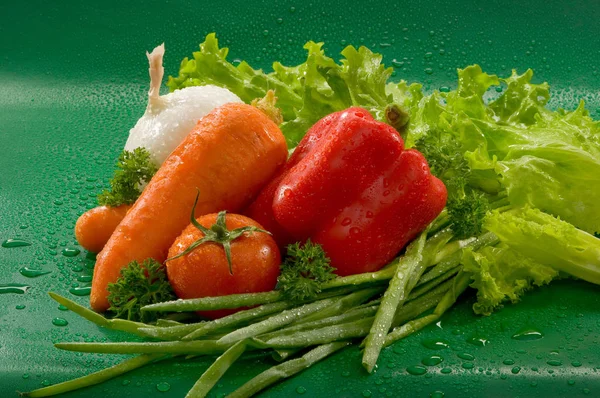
[(73, 78)]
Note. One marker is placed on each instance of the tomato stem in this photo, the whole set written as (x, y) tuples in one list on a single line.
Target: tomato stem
[(217, 233)]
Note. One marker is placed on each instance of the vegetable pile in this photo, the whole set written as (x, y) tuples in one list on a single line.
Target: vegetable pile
[(391, 205)]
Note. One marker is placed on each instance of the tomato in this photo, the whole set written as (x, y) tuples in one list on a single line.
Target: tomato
[(204, 271)]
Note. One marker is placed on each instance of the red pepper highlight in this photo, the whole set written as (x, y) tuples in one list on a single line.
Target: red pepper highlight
[(352, 187)]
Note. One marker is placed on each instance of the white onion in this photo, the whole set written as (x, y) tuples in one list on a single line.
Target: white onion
[(169, 118)]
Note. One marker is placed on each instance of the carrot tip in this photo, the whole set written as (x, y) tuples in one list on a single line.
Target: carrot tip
[(267, 106)]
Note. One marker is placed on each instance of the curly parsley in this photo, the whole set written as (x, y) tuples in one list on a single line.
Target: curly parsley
[(133, 169), (139, 285), (303, 272)]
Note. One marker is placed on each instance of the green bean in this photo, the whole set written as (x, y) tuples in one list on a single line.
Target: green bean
[(215, 371), (194, 331), (409, 270), (346, 317), (204, 347), (282, 355), (327, 334), (96, 377), (276, 321), (216, 303), (165, 323), (460, 283), (286, 369), (454, 259), (427, 286), (114, 324), (345, 303)]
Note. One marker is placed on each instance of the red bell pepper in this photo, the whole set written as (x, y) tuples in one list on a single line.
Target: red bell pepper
[(352, 187)]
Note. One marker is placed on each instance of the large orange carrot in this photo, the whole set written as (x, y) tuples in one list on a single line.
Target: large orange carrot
[(229, 156), (94, 227)]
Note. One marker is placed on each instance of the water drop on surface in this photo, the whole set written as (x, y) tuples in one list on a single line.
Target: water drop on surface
[(515, 370), (60, 322), (468, 365), (435, 344), (432, 360), (576, 364), (437, 394), (62, 307), (32, 273), (10, 243), (466, 356), (508, 362), (300, 390), (163, 386), (528, 333), (70, 252), (13, 288), (367, 393), (571, 382), (81, 291), (554, 362), (20, 306), (26, 375), (446, 371), (478, 341), (417, 370)]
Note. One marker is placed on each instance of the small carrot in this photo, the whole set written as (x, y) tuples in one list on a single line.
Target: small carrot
[(229, 157), (94, 227)]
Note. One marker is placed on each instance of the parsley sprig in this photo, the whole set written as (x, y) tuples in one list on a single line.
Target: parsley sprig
[(304, 270), (133, 169)]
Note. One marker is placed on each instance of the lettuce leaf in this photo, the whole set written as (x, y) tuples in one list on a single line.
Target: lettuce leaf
[(549, 241), (500, 274), (514, 144), (305, 92)]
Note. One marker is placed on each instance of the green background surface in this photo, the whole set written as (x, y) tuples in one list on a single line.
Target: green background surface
[(73, 80)]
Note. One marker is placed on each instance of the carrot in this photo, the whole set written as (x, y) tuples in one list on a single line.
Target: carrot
[(94, 227), (229, 157)]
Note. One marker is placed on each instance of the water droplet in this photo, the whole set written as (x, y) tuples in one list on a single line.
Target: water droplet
[(417, 370), (33, 273), (515, 370), (367, 393), (571, 382), (62, 307), (13, 288), (84, 278), (60, 322), (346, 221), (20, 306), (478, 341), (70, 252), (26, 375), (554, 362), (300, 390), (432, 360), (586, 391), (435, 344), (508, 362), (465, 356), (163, 386), (528, 333), (81, 291), (576, 364), (126, 382), (10, 243), (468, 365), (446, 371), (46, 383), (503, 376), (437, 394)]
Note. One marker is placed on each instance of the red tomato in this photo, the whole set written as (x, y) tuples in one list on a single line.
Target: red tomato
[(204, 272)]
